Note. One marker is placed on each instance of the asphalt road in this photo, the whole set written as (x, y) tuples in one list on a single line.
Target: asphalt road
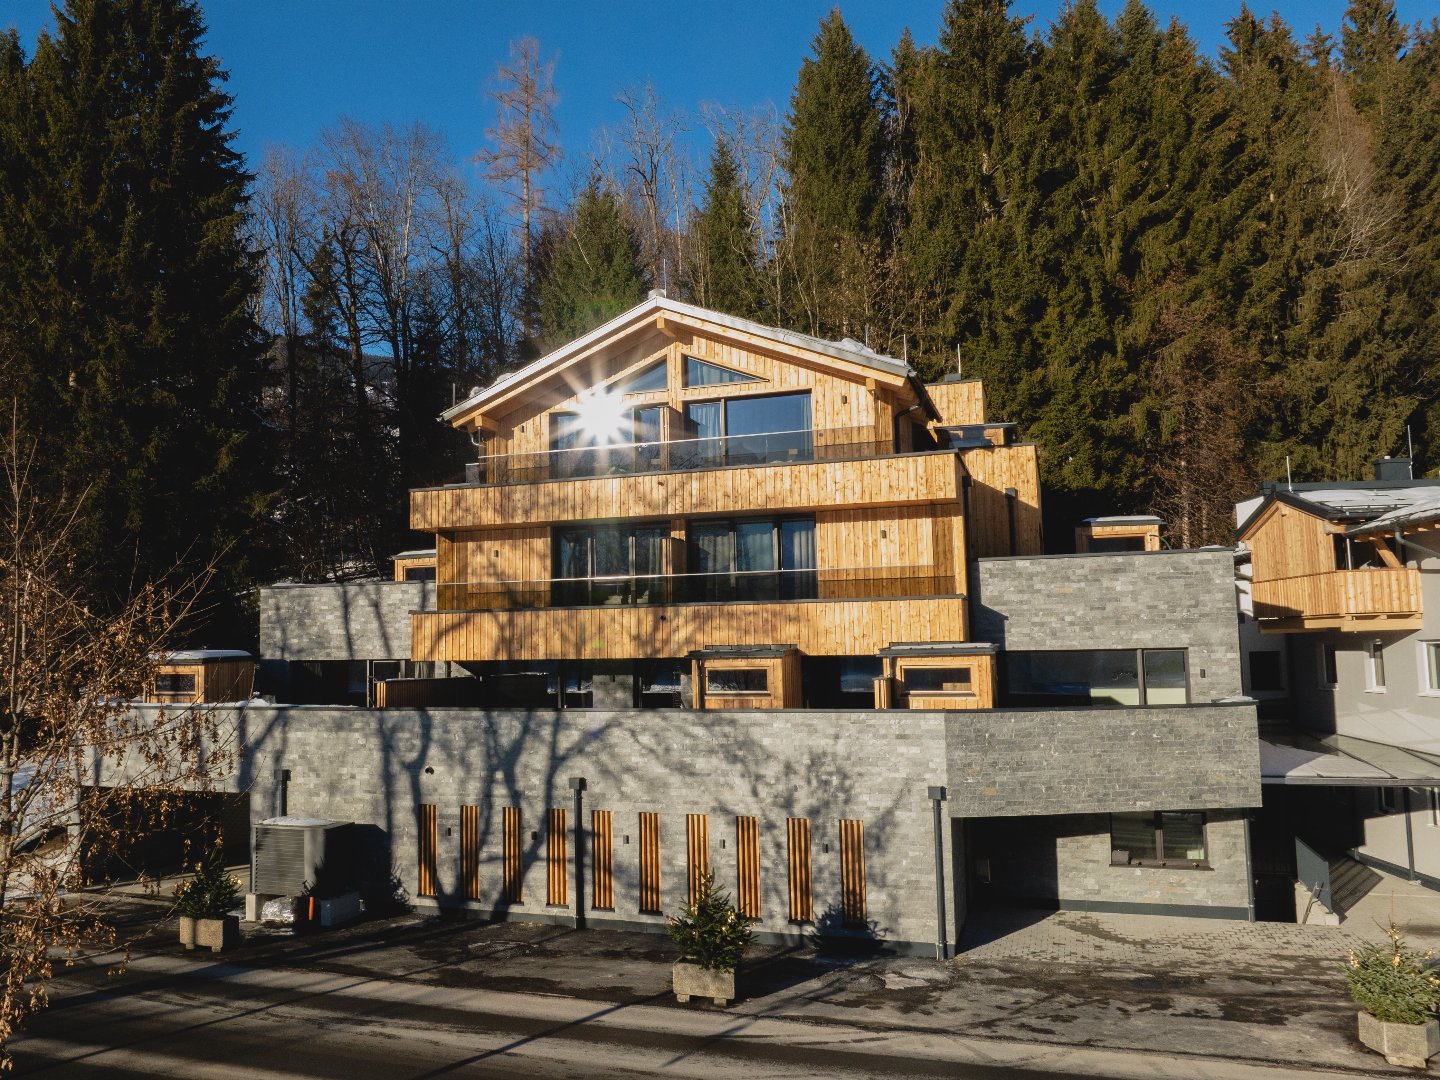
[(171, 1017)]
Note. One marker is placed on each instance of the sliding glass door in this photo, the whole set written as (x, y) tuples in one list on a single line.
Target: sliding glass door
[(758, 559), (609, 565)]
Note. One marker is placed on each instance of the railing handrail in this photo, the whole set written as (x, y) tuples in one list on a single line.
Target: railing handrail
[(594, 447), (601, 578)]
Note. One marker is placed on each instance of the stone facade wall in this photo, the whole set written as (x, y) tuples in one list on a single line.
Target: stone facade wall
[(1065, 861), (1013, 762), (368, 620), (1134, 600)]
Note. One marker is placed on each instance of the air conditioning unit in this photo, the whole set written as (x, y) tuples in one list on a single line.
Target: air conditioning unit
[(288, 853)]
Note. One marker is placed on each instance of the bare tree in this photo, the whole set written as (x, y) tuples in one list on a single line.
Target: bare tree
[(68, 670), (656, 177), (523, 147)]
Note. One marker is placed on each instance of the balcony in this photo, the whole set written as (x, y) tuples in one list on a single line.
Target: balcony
[(1377, 598), (677, 455), (837, 612), (819, 473)]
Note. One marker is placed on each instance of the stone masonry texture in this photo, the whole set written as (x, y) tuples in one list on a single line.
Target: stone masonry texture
[(1136, 600), (358, 621)]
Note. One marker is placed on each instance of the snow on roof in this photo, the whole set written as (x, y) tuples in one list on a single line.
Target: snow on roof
[(200, 656), (300, 822), (1126, 519), (1420, 512), (417, 553)]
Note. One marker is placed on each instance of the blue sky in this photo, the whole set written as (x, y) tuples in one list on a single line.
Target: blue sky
[(298, 65)]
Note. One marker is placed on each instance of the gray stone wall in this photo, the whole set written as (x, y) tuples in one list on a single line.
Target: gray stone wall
[(1066, 861), (377, 766), (366, 620), (1134, 600), (1012, 762)]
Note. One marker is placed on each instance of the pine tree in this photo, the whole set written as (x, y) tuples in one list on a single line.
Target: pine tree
[(723, 269), (592, 270), (1371, 40), (128, 286)]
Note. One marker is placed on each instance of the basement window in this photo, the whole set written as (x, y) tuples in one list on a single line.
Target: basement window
[(1168, 839)]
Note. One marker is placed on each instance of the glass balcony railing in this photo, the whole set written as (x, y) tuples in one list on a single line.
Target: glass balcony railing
[(622, 459), (741, 586)]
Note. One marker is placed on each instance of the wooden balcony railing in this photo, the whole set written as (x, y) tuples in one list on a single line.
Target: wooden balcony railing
[(1337, 596)]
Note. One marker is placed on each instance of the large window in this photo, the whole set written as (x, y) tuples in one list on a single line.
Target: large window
[(1126, 677), (750, 430), (1168, 838), (759, 559), (737, 681), (609, 564)]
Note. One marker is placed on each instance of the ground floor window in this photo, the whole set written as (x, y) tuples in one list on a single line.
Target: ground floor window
[(1166, 838), (1105, 677)]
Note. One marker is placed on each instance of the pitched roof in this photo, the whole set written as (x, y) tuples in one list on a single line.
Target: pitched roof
[(1365, 507), (848, 350)]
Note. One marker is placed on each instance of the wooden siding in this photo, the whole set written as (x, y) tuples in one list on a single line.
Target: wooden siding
[(697, 853), (215, 680), (747, 867), (650, 863), (602, 860), (429, 844), (982, 682), (801, 877), (1287, 542), (417, 693), (893, 480), (470, 852), (512, 843), (414, 562), (1148, 533), (557, 865), (817, 628), (1377, 598), (852, 873), (842, 393), (782, 675), (992, 470), (924, 540), (959, 402)]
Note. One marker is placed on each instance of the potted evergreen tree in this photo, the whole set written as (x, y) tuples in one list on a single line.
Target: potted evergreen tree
[(1399, 991), (712, 937), (204, 903)]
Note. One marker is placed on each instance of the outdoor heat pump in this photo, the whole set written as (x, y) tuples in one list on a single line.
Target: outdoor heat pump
[(287, 853)]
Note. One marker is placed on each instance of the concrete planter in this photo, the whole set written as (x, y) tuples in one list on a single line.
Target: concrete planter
[(339, 910), (1409, 1045), (212, 934), (691, 980)]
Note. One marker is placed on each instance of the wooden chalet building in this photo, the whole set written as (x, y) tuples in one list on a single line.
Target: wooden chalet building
[(719, 596)]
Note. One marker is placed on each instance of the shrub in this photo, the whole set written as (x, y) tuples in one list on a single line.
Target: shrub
[(710, 932), (210, 894), (1393, 982)]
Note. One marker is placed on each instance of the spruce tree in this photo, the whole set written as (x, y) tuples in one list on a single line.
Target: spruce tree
[(127, 286), (724, 273), (592, 270), (835, 160)]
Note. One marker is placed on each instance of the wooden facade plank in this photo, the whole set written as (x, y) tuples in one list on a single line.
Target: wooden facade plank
[(747, 867), (650, 902), (697, 853), (426, 881), (852, 873), (801, 876), (470, 852), (512, 844), (602, 835), (557, 864)]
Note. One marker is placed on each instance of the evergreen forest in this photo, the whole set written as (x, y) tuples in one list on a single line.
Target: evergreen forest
[(1179, 274)]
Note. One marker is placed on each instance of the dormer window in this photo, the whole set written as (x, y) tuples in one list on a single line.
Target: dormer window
[(700, 373)]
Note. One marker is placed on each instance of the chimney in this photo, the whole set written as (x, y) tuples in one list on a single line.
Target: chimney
[(1393, 468)]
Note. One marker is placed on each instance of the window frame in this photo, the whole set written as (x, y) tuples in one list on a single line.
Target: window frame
[(1429, 672), (1160, 862), (1375, 679), (791, 583), (1142, 690), (762, 691)]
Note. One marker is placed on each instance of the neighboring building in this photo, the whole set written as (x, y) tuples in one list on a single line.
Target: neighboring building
[(721, 596), (190, 676), (1342, 643)]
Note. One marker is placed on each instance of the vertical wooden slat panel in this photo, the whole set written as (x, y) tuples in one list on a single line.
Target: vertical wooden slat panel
[(602, 831), (802, 901), (514, 878), (747, 859), (470, 852), (650, 863), (429, 843), (852, 872), (697, 851), (557, 887)]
